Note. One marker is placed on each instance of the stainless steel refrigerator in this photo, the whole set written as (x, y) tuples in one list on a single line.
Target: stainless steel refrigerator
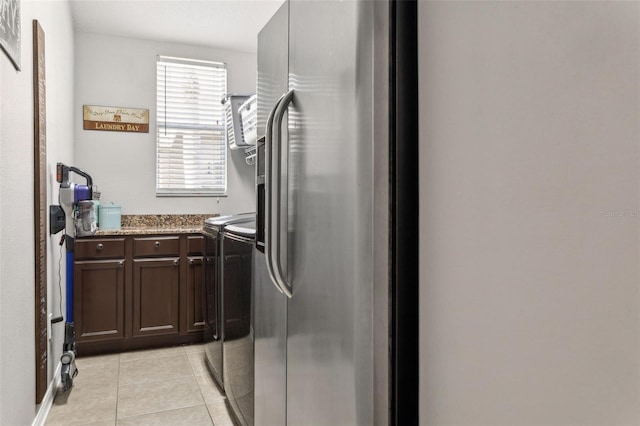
[(322, 265)]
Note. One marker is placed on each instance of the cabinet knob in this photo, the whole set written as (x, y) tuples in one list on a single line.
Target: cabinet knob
[(190, 261), (157, 244), (99, 246), (121, 263), (175, 261)]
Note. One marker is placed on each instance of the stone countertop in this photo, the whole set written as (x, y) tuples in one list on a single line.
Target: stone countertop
[(146, 230), (159, 224)]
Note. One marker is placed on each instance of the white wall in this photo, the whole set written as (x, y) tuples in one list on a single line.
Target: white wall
[(17, 349), (116, 71), (529, 198)]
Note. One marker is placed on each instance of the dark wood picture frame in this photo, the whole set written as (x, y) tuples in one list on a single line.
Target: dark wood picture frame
[(10, 27)]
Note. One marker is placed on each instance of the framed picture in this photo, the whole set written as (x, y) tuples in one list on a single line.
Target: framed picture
[(10, 30)]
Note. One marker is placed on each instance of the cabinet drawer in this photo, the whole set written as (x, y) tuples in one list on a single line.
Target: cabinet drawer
[(99, 248), (194, 245), (156, 246)]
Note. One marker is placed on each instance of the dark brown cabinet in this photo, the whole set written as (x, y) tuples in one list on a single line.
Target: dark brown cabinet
[(156, 300), (99, 300), (195, 321), (194, 279), (104, 248), (136, 292), (156, 246)]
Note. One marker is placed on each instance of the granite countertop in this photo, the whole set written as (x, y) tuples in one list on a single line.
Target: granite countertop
[(159, 224)]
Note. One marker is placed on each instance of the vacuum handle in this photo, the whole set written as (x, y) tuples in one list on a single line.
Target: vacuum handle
[(83, 174), (62, 176)]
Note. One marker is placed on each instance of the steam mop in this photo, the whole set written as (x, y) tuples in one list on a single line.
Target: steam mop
[(69, 197)]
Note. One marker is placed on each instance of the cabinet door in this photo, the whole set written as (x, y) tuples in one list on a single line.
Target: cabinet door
[(195, 321), (156, 296), (99, 300)]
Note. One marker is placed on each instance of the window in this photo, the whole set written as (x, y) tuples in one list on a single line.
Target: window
[(191, 151)]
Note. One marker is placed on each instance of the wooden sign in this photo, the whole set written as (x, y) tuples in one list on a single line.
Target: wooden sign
[(115, 119)]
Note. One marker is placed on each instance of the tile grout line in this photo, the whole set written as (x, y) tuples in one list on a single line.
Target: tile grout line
[(161, 411), (204, 400), (195, 376)]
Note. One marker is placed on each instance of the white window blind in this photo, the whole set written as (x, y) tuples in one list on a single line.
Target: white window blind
[(191, 151)]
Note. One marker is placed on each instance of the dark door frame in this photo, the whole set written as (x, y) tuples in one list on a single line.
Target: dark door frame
[(40, 211)]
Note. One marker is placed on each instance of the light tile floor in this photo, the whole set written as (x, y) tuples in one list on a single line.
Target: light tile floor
[(169, 386)]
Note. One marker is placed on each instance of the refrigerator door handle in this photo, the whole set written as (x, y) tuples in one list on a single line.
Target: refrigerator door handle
[(268, 196), (276, 213)]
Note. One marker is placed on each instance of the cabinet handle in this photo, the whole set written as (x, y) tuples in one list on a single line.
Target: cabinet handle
[(121, 263), (157, 244), (175, 261), (99, 246)]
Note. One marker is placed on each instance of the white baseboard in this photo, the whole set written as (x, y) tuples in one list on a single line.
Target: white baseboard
[(47, 400)]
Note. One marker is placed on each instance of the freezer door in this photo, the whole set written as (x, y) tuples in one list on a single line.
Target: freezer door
[(269, 305), (330, 175)]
